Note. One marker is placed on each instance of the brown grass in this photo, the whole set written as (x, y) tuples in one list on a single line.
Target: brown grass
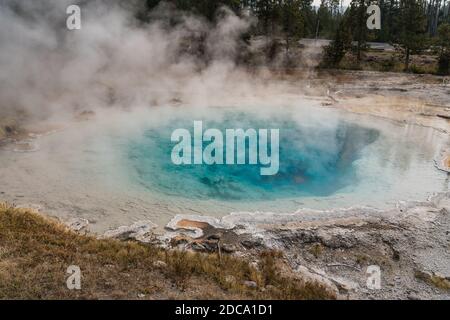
[(374, 60), (316, 249), (433, 280), (36, 251)]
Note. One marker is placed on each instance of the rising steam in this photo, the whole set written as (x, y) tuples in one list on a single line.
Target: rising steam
[(116, 60)]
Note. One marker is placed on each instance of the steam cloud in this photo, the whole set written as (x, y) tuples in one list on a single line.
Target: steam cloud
[(116, 60)]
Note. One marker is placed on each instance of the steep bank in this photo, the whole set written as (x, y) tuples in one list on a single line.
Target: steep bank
[(410, 244), (35, 253)]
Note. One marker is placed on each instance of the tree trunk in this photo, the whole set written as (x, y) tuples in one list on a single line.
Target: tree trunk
[(317, 25), (358, 56), (287, 44), (436, 18), (361, 28), (407, 54)]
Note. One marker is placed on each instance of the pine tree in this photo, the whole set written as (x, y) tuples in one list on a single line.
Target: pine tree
[(358, 15), (411, 24), (444, 56), (341, 44), (291, 21)]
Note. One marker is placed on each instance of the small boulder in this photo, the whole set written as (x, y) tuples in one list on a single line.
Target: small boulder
[(78, 224), (197, 246), (250, 284), (228, 248), (251, 243), (139, 231), (214, 236), (230, 279), (344, 285), (159, 264)]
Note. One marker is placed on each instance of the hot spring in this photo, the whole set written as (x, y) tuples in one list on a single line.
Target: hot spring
[(315, 160), (117, 169)]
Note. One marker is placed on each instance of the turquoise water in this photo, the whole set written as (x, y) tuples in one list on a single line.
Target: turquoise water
[(315, 160), (118, 169)]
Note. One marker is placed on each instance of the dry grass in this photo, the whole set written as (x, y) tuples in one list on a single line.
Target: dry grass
[(8, 126), (434, 280), (36, 251), (316, 250), (374, 60)]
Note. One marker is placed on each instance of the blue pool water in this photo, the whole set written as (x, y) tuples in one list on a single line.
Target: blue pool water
[(120, 169), (328, 159), (315, 160)]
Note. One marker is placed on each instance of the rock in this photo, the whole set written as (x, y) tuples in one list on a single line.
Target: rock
[(228, 248), (214, 237), (337, 238), (344, 285), (250, 284), (293, 237), (194, 226), (159, 264), (85, 115), (251, 243), (210, 245), (140, 295), (78, 224), (318, 278), (230, 279), (139, 231), (254, 264), (198, 246), (179, 240)]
